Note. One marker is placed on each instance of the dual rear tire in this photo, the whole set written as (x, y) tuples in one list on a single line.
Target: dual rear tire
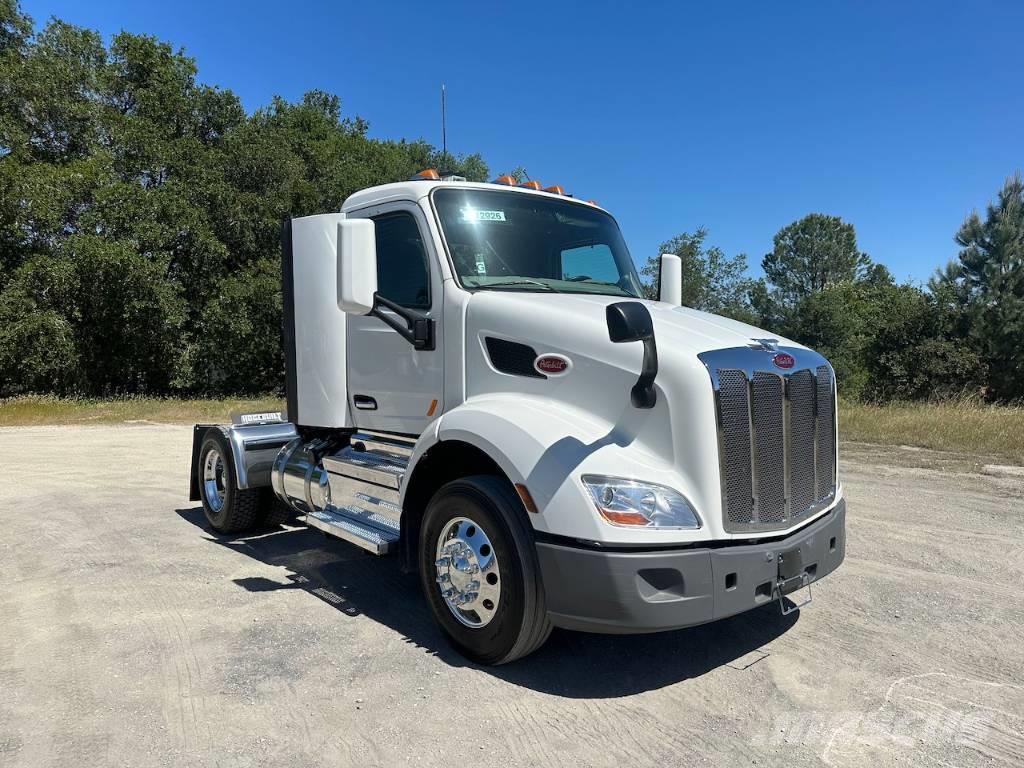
[(228, 508)]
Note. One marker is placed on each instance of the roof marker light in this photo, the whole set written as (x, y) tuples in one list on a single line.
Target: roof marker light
[(593, 202), (555, 189), (506, 179), (427, 174), (531, 185)]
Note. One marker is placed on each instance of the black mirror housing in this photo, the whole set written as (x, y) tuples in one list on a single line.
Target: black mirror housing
[(629, 321)]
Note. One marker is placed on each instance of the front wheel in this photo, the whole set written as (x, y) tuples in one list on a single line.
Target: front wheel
[(478, 568)]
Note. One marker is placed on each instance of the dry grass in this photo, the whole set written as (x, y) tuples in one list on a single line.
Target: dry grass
[(23, 411), (967, 427)]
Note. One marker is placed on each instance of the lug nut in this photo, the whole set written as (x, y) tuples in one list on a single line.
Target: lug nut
[(443, 562)]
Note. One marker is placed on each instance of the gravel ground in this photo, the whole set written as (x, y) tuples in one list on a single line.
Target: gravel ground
[(131, 635)]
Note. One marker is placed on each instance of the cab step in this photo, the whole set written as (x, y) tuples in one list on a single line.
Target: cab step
[(365, 480), (357, 526)]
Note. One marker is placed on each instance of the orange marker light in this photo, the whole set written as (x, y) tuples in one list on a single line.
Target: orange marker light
[(506, 179), (592, 202), (430, 174), (531, 185), (526, 498), (555, 189), (432, 408)]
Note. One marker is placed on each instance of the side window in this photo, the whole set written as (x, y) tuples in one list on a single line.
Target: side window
[(402, 272), (590, 262)]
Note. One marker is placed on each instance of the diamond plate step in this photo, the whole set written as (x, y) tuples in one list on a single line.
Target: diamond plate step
[(373, 532)]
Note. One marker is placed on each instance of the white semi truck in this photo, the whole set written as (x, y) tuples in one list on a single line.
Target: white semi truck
[(475, 384)]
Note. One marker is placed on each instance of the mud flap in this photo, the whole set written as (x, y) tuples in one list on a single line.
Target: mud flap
[(791, 577)]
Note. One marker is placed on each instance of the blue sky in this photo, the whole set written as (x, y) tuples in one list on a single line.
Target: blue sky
[(740, 117)]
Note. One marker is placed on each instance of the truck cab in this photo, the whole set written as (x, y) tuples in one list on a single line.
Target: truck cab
[(476, 384)]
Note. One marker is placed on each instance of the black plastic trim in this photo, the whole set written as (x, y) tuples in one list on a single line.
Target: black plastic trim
[(291, 383), (265, 445)]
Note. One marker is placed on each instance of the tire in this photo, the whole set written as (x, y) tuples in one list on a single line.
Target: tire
[(275, 512), (517, 623), (228, 508)]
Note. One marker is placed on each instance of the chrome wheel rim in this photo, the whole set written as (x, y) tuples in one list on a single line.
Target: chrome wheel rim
[(213, 479), (467, 572)]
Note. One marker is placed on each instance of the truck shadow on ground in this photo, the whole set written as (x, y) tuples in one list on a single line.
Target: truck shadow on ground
[(571, 664)]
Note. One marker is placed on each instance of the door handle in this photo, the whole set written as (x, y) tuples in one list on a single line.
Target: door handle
[(364, 402)]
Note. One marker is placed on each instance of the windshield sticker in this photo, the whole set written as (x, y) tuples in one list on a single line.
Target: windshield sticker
[(473, 214)]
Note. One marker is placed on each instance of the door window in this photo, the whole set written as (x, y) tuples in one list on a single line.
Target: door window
[(402, 272)]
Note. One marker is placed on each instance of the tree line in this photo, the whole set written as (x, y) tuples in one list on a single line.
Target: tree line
[(140, 254), (958, 335)]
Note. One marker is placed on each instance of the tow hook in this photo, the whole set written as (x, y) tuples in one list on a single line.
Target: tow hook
[(791, 577)]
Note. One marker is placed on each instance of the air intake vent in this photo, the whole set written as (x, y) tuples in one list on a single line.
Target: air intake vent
[(513, 358)]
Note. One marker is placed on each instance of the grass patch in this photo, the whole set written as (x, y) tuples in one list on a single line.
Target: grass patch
[(965, 427), (31, 410), (968, 427)]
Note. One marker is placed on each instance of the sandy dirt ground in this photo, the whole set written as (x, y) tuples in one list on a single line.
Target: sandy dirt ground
[(131, 635)]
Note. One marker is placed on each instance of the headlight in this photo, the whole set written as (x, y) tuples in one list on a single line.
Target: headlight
[(628, 502)]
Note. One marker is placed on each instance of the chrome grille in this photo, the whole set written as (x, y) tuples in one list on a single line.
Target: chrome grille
[(776, 434)]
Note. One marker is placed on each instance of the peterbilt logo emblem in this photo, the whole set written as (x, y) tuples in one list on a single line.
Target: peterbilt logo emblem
[(552, 365), (784, 360)]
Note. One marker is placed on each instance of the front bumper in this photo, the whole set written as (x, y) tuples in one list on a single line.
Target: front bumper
[(594, 590)]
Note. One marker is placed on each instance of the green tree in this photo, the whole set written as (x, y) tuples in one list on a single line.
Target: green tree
[(712, 281), (140, 208), (811, 254), (888, 342), (237, 345), (990, 279)]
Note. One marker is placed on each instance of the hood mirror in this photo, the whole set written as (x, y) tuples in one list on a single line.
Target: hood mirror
[(631, 321)]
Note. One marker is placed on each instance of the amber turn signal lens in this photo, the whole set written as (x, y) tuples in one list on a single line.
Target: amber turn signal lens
[(526, 498)]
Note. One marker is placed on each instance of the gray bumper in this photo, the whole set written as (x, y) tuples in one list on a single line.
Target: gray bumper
[(600, 591)]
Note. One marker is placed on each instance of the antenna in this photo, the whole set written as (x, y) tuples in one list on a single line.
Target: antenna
[(444, 124)]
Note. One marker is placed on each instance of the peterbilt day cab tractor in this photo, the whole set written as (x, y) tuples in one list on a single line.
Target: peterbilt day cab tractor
[(475, 384)]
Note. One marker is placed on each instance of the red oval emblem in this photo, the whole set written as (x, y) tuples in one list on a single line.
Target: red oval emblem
[(784, 360), (552, 365)]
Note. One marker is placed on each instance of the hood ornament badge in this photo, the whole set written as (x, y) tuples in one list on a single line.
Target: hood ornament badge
[(765, 345)]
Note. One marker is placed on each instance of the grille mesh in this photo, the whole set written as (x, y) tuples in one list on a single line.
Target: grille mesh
[(769, 442), (801, 441), (734, 410), (777, 444), (826, 433)]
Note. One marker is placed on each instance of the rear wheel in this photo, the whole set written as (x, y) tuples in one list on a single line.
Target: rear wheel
[(478, 568), (228, 508)]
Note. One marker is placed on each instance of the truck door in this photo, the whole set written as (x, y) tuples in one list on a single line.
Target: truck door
[(391, 386)]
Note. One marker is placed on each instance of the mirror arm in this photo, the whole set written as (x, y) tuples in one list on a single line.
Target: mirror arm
[(643, 394), (417, 328)]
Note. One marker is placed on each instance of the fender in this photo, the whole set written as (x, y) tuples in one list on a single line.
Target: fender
[(545, 445), (253, 447)]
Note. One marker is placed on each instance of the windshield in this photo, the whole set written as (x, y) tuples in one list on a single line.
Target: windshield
[(514, 242)]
